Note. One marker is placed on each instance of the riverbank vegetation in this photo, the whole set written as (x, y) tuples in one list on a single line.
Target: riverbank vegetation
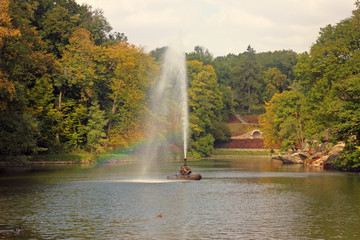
[(69, 84)]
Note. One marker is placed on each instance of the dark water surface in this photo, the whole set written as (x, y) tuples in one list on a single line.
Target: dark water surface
[(243, 198)]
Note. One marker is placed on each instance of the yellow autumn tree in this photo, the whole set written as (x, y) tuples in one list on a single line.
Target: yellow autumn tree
[(282, 123), (7, 88), (133, 71)]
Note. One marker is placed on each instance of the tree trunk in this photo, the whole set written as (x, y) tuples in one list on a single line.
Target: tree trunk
[(59, 108), (60, 99), (300, 132), (249, 98), (113, 109)]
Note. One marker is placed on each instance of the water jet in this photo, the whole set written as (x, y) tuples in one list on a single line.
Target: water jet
[(169, 121)]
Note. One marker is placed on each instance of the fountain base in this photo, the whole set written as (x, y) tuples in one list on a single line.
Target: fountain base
[(185, 174), (191, 176)]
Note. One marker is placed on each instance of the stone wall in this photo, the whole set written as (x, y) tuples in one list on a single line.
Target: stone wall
[(244, 143)]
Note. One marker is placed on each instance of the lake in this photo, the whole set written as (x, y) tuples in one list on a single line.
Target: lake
[(238, 198)]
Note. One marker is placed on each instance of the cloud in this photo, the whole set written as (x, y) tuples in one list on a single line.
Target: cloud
[(224, 26), (163, 18)]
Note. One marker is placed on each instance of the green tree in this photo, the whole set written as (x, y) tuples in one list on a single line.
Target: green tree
[(205, 103), (332, 62), (200, 54), (96, 136), (275, 81), (247, 81), (56, 28), (284, 60)]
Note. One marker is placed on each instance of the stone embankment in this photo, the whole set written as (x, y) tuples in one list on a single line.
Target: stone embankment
[(323, 155)]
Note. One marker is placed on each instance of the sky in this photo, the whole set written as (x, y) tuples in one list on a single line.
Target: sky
[(223, 26)]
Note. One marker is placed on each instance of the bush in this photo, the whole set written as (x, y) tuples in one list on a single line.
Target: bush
[(349, 160), (204, 145)]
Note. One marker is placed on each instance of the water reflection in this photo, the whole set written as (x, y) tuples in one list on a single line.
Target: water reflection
[(245, 198)]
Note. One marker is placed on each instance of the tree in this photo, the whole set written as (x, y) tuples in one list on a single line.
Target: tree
[(332, 61), (96, 136), (132, 76), (24, 65), (247, 81), (7, 31), (205, 103), (79, 63), (56, 28), (282, 122), (200, 54), (275, 81), (284, 60)]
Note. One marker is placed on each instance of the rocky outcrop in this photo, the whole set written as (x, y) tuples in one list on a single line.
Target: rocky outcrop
[(326, 155), (322, 155), (292, 158)]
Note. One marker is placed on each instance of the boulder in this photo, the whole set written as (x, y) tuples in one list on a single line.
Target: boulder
[(320, 149), (329, 163), (319, 161), (292, 158), (338, 148)]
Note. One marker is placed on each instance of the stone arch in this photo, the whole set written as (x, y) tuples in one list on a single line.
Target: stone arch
[(256, 134)]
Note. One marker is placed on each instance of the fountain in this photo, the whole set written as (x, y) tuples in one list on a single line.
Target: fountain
[(169, 123)]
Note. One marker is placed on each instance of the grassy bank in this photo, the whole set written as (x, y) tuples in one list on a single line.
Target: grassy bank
[(241, 152), (60, 158), (64, 158)]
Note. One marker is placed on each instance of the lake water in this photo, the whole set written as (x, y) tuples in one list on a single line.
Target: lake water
[(238, 198)]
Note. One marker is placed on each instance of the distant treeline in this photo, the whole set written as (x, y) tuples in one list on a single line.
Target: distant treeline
[(68, 83)]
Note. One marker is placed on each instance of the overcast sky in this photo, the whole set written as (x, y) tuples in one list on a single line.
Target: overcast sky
[(223, 26)]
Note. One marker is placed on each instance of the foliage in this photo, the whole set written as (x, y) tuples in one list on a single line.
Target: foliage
[(58, 66), (131, 79), (236, 73), (205, 103), (349, 160), (282, 123), (327, 94), (200, 54), (247, 81), (96, 136), (275, 81), (18, 134)]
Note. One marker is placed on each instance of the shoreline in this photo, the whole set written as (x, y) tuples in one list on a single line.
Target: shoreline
[(84, 158)]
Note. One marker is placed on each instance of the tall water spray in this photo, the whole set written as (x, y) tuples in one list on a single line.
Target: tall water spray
[(168, 123)]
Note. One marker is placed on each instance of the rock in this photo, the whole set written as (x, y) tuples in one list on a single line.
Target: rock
[(323, 147), (327, 156), (332, 158), (329, 163), (338, 148), (319, 161), (306, 147), (304, 155), (293, 158)]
